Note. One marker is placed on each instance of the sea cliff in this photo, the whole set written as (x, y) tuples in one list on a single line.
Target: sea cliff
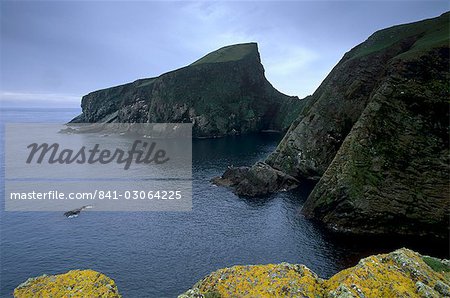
[(374, 136), (223, 93)]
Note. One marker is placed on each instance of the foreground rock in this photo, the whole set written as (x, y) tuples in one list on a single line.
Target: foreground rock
[(402, 273), (376, 135), (75, 283), (260, 179), (223, 93)]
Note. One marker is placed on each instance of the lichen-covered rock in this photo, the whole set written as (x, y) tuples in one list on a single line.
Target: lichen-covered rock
[(260, 179), (282, 280), (402, 273), (75, 283), (223, 93)]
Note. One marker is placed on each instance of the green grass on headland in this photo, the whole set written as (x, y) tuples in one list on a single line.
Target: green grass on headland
[(426, 34), (228, 53)]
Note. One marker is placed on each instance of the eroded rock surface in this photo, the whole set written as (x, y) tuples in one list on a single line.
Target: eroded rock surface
[(75, 283), (402, 273), (260, 179)]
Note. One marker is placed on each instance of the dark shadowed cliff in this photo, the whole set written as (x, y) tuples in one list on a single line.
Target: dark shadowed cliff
[(376, 134), (223, 93)]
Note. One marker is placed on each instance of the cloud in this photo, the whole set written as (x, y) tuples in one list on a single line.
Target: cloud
[(286, 61), (207, 26), (291, 69), (204, 27), (8, 98), (89, 49)]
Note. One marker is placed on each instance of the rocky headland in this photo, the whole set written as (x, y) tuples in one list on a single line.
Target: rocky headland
[(223, 93), (375, 135)]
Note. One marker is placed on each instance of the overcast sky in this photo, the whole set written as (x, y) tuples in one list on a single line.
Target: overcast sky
[(55, 52)]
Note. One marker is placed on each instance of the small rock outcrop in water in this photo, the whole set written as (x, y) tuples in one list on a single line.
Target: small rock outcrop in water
[(75, 283), (223, 93), (376, 134), (402, 273), (260, 179), (76, 212)]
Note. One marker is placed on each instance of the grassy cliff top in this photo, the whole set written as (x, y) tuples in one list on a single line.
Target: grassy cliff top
[(426, 34), (229, 53)]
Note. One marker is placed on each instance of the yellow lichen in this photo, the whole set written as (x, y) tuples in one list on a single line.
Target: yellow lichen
[(402, 273), (75, 283), (262, 281), (388, 275)]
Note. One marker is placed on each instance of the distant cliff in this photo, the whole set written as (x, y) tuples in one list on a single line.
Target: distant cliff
[(223, 93), (402, 273), (376, 134)]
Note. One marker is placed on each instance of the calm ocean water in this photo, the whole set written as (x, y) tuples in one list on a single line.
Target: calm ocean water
[(161, 254)]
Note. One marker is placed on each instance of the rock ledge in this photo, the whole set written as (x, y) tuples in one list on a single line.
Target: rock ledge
[(75, 283), (402, 273)]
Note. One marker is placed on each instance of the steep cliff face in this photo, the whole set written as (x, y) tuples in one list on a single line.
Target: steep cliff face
[(223, 93), (402, 273), (391, 174), (313, 141), (376, 134)]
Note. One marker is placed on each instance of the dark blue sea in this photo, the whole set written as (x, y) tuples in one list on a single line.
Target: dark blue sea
[(162, 254)]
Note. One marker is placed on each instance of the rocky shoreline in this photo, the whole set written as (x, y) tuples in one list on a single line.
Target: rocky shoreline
[(402, 273), (374, 136)]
